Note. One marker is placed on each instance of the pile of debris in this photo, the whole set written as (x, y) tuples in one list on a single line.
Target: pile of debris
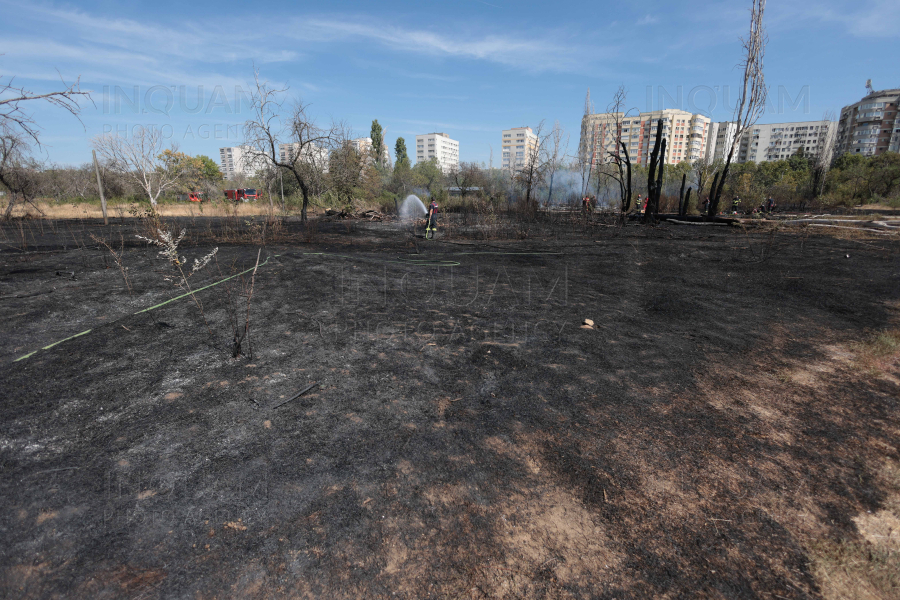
[(367, 215)]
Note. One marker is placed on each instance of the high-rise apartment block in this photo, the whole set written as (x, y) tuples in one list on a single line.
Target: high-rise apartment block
[(780, 141), (721, 136), (686, 134), (517, 145), (311, 153), (440, 147), (240, 160), (870, 126)]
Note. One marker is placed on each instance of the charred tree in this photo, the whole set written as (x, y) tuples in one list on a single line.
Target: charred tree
[(684, 206), (712, 209), (626, 198), (751, 102), (652, 176)]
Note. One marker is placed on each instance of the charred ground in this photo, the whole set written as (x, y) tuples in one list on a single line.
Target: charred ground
[(467, 437)]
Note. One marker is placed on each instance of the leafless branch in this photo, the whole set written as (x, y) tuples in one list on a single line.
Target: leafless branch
[(14, 99)]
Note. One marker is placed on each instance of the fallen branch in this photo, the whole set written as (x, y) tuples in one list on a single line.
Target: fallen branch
[(694, 223), (853, 228), (292, 398)]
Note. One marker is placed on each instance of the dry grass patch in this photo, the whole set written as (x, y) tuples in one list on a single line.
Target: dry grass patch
[(879, 353), (868, 567), (51, 210)]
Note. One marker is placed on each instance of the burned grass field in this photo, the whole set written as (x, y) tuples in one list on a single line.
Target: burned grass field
[(726, 429)]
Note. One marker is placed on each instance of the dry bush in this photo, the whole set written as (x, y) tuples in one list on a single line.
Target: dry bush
[(118, 257)]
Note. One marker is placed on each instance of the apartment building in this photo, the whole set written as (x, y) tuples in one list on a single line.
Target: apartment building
[(779, 141), (365, 146), (438, 146), (287, 152), (870, 126), (240, 160), (517, 144), (721, 136), (686, 133)]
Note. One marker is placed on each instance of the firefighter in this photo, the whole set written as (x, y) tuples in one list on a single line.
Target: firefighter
[(431, 222)]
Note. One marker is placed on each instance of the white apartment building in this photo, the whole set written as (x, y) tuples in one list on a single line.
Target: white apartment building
[(364, 146), (438, 146), (319, 156), (780, 141), (686, 134), (240, 160), (517, 143), (721, 136), (870, 126)]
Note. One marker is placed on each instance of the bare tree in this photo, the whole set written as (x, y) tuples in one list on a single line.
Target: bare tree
[(751, 103), (530, 173), (824, 155), (465, 177), (17, 127), (144, 159), (308, 146), (704, 170), (17, 170), (586, 153), (617, 155), (13, 99)]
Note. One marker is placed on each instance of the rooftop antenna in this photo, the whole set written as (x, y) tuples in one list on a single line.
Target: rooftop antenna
[(869, 89)]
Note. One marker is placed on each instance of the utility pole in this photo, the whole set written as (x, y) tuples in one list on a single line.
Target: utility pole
[(100, 185)]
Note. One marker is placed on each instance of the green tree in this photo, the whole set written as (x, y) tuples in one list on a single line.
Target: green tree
[(428, 174), (885, 177), (377, 136), (400, 153), (345, 172), (208, 169), (799, 161)]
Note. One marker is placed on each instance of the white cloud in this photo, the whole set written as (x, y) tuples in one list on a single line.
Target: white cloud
[(647, 20), (876, 18), (527, 52)]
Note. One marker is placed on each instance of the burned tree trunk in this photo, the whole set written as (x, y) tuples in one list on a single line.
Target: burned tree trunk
[(625, 181), (711, 210), (655, 163), (681, 193), (684, 206), (716, 196), (659, 179)]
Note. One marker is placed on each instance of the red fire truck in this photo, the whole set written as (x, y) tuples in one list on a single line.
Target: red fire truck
[(192, 197), (242, 195)]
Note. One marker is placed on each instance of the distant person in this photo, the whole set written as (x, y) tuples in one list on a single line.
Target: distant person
[(735, 205), (770, 204), (639, 203), (706, 205)]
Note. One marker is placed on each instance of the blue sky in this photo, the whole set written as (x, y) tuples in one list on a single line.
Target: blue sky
[(469, 68)]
